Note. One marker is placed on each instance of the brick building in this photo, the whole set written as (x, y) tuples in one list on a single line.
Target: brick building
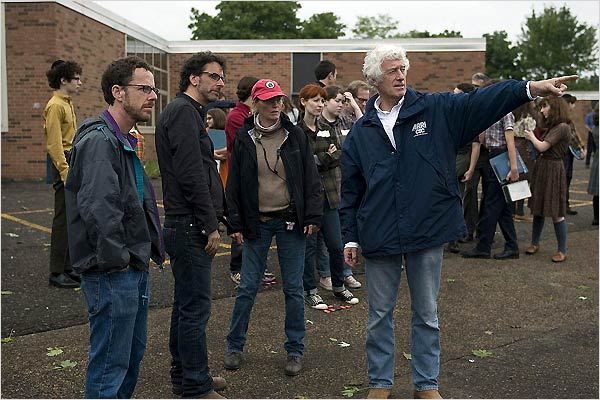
[(35, 33)]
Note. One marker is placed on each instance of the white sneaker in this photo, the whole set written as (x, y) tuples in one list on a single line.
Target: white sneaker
[(346, 296), (315, 301), (325, 283), (352, 283)]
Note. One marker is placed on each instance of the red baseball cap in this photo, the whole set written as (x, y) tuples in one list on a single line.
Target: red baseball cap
[(266, 89)]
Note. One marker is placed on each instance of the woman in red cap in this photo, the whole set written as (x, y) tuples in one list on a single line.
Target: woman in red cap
[(273, 189)]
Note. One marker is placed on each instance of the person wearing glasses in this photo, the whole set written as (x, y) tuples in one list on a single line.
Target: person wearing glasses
[(273, 189), (400, 201), (194, 202), (60, 124), (360, 91), (114, 229)]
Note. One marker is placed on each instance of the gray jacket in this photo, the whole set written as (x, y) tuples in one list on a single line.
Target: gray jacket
[(109, 227)]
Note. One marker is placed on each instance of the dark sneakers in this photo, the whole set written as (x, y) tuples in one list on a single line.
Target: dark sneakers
[(232, 361), (293, 365), (219, 384), (62, 281), (506, 254), (346, 296)]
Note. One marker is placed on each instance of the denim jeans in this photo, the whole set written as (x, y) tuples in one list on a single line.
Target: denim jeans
[(332, 235), (191, 304), (322, 259), (117, 305), (423, 269), (290, 251)]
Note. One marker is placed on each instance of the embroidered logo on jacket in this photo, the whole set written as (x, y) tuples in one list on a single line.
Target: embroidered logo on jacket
[(420, 129)]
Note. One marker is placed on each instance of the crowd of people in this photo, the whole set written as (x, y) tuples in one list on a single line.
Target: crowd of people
[(372, 166)]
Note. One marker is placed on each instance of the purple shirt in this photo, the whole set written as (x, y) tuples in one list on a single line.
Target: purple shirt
[(132, 140)]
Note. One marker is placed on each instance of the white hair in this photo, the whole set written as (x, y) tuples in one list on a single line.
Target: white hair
[(374, 58)]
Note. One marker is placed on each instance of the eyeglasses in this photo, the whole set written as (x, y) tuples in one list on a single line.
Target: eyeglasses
[(214, 76), (146, 88)]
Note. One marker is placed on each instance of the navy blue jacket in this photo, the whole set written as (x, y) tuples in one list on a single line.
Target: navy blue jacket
[(395, 201)]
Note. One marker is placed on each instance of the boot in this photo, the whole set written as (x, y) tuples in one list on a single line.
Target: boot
[(427, 394), (379, 393)]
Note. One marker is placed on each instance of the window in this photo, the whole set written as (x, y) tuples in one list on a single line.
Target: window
[(303, 70), (159, 62)]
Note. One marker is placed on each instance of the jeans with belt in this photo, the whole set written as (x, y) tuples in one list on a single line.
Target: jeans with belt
[(117, 305), (290, 251), (185, 243)]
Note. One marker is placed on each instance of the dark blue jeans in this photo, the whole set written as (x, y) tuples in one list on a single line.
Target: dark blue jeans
[(117, 305), (494, 210), (290, 251), (332, 235), (191, 304)]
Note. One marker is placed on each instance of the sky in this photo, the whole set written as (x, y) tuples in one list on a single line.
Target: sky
[(471, 18)]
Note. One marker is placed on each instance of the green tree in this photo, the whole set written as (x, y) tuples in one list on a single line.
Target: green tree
[(555, 43), (501, 57), (414, 34), (248, 20), (379, 27), (323, 26)]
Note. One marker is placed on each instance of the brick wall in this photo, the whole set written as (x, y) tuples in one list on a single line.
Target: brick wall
[(36, 35)]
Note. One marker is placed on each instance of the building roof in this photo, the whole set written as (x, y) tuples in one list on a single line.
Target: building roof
[(106, 17)]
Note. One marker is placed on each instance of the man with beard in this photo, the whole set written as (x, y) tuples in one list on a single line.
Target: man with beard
[(114, 229), (194, 200)]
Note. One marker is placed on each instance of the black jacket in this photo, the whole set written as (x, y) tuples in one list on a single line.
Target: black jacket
[(109, 227), (190, 180), (301, 175)]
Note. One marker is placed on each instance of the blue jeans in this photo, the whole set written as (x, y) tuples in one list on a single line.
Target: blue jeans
[(290, 251), (191, 304), (423, 269), (117, 305), (322, 258), (332, 236)]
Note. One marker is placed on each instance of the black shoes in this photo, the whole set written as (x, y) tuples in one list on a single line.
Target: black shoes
[(453, 247), (232, 361), (506, 254), (474, 253), (219, 384), (570, 211), (63, 281), (74, 275), (293, 365)]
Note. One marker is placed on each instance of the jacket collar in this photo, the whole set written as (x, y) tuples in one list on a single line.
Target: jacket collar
[(413, 104), (193, 102)]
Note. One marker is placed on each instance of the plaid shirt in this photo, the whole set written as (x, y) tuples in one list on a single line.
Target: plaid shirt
[(494, 135), (328, 165)]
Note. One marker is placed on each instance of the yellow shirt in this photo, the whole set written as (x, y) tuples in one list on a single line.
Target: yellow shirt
[(59, 127)]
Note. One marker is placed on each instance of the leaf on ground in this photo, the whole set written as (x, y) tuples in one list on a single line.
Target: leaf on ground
[(331, 339), (349, 391), (583, 287), (407, 355), (343, 344), (273, 352), (488, 332), (6, 340), (12, 234), (450, 280), (582, 298), (482, 353), (471, 360), (3, 292), (77, 289), (308, 321), (66, 364), (53, 351)]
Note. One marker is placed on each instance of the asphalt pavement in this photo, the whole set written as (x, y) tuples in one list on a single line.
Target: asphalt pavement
[(525, 328)]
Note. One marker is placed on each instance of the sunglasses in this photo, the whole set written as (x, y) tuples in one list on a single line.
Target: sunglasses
[(146, 88)]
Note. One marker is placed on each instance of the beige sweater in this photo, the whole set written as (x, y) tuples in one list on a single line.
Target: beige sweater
[(273, 194)]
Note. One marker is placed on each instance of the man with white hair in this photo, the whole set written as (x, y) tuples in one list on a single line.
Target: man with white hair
[(400, 200)]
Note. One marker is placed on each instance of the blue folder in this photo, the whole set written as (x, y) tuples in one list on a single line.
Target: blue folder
[(218, 138), (501, 166)]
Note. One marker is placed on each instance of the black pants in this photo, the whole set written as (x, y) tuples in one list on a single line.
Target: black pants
[(235, 264), (59, 243), (591, 148), (471, 198), (495, 210)]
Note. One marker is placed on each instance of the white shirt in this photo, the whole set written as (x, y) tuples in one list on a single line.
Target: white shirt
[(388, 118)]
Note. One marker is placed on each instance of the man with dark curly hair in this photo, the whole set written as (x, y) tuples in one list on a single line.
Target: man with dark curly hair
[(60, 124)]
